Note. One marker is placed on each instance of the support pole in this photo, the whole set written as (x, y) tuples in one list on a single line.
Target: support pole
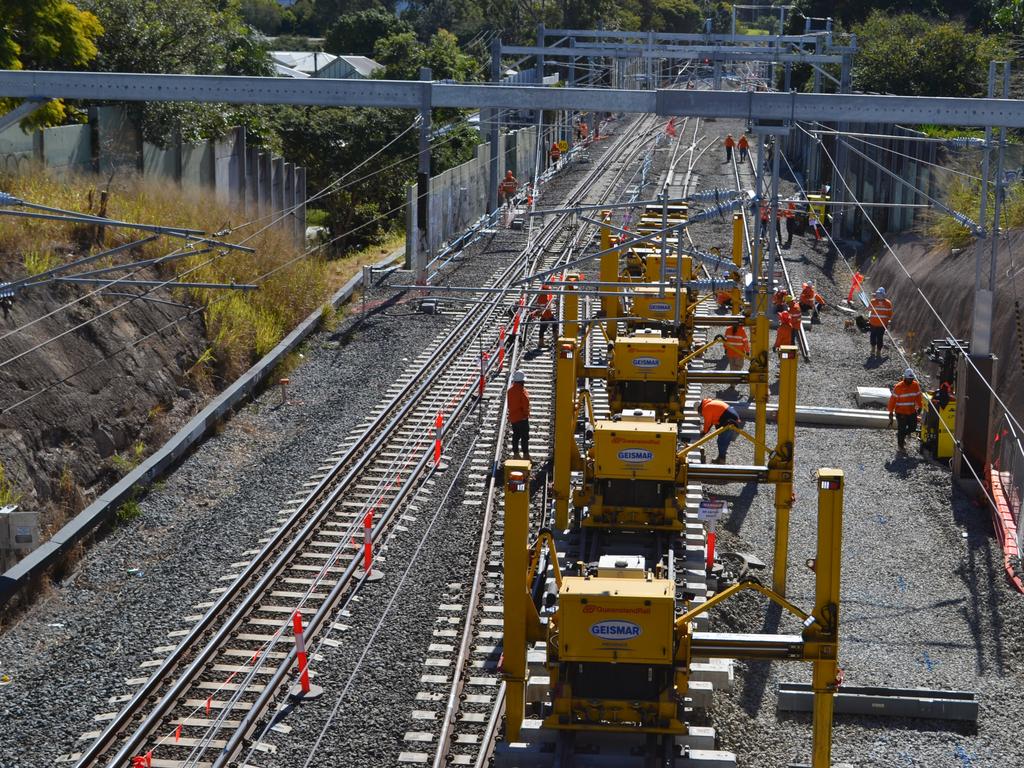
[(781, 464), (517, 517), (423, 250), (565, 428), (609, 273), (759, 363), (822, 637), (494, 176), (838, 192)]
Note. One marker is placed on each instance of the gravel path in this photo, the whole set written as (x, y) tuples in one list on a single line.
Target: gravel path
[(925, 600)]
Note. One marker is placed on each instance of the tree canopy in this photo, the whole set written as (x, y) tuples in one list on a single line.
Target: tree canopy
[(912, 55), (45, 34), (358, 33), (203, 37)]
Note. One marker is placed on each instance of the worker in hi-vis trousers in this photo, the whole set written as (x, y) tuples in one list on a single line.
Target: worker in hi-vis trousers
[(879, 317), (519, 415), (906, 402)]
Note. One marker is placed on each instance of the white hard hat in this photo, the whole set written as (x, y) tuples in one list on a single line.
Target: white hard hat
[(909, 374), (880, 292), (518, 376)]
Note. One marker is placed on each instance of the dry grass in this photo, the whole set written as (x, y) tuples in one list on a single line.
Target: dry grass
[(340, 271), (241, 325), (964, 196)]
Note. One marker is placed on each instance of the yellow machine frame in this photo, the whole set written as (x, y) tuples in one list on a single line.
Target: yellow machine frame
[(818, 643)]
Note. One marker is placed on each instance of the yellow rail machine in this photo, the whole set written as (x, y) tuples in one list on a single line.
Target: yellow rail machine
[(618, 657)]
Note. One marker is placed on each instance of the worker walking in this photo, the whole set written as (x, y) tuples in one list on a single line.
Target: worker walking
[(744, 147), (555, 153), (507, 189), (730, 142), (718, 413), (879, 316), (519, 415), (737, 346), (544, 313), (791, 225), (906, 401)]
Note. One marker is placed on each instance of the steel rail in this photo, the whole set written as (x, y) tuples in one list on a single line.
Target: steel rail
[(554, 228), (401, 405)]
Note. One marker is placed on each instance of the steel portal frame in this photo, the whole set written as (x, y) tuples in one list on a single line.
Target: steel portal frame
[(762, 106)]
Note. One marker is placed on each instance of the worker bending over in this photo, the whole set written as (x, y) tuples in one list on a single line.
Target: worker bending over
[(810, 300), (879, 317), (906, 401), (519, 415), (718, 413)]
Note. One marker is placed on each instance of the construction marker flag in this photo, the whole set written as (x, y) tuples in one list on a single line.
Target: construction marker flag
[(670, 128)]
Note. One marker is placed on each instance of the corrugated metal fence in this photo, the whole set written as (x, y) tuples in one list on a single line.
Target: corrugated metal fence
[(259, 183)]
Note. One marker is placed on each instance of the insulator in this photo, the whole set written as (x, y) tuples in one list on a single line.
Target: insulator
[(963, 142), (964, 221), (714, 194), (717, 210), (710, 286), (712, 260)]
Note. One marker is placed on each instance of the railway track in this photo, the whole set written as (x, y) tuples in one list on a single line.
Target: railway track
[(467, 729), (207, 694)]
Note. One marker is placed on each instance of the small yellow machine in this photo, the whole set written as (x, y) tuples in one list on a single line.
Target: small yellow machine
[(618, 655), (938, 427), (630, 476), (643, 372)]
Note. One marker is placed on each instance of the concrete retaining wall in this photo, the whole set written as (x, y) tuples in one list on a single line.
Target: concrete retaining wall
[(458, 197)]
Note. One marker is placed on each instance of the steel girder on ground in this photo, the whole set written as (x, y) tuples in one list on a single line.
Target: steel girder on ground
[(761, 106)]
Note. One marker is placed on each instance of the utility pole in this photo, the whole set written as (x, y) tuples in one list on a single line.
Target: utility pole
[(423, 250), (494, 138), (838, 189), (976, 373)]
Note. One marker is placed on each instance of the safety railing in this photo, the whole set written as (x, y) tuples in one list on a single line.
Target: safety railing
[(1007, 473)]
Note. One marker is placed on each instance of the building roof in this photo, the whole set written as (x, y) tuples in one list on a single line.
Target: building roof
[(364, 65), (309, 62)]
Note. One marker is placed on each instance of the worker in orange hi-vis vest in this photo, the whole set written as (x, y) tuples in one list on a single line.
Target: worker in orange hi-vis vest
[(507, 189), (519, 414), (737, 346), (555, 154), (879, 317), (784, 335), (810, 300), (906, 402), (729, 143), (744, 147)]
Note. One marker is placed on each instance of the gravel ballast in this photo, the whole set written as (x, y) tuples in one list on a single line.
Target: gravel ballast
[(925, 601), (72, 651)]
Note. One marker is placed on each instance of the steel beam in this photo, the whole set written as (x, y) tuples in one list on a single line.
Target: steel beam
[(691, 37), (21, 111), (407, 95), (683, 53), (889, 702)]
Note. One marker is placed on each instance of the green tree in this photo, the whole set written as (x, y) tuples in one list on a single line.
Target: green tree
[(912, 55), (265, 15), (203, 37), (45, 34), (357, 33), (675, 16), (402, 56)]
